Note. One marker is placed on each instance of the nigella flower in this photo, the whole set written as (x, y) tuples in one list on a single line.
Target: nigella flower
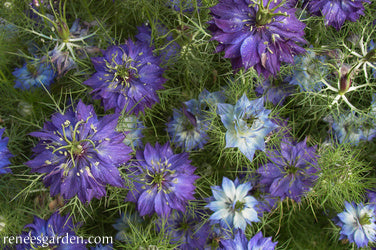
[(260, 34), (290, 171), (51, 233), (247, 124), (349, 127), (127, 77), (336, 12), (4, 154), (240, 242), (133, 127), (308, 71), (274, 92), (233, 207), (34, 74), (170, 48), (357, 223), (188, 230), (80, 153), (162, 180)]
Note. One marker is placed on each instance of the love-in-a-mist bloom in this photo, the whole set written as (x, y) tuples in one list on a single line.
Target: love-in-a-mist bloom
[(290, 170), (162, 180), (50, 233), (34, 74), (133, 128), (232, 206), (336, 12), (5, 154), (187, 229), (260, 34), (127, 77), (357, 223), (247, 124), (80, 153), (257, 242)]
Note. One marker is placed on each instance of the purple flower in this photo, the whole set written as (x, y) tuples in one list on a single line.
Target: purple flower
[(162, 180), (127, 76), (53, 232), (4, 154), (188, 230), (274, 92), (240, 242), (257, 35), (336, 12), (170, 47), (290, 171), (233, 207), (357, 223), (80, 153), (34, 74), (247, 124)]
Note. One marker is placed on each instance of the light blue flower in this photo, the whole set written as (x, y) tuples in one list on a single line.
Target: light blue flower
[(133, 130), (233, 207), (247, 124), (308, 72), (357, 223), (33, 74)]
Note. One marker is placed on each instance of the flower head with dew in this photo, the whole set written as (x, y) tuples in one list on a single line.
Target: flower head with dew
[(127, 77), (247, 124), (349, 127), (232, 206), (5, 154), (162, 180), (308, 71), (336, 12), (357, 223), (290, 171), (260, 34), (34, 74), (48, 231), (240, 242), (187, 229), (169, 49), (80, 153)]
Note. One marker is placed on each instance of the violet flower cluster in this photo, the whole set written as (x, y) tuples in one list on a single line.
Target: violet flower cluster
[(260, 34), (127, 77), (162, 180), (5, 154), (80, 153)]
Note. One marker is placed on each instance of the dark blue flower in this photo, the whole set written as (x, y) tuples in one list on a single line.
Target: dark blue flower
[(233, 207), (259, 35), (240, 242), (247, 124), (127, 77), (34, 74), (80, 153), (357, 223), (336, 12), (187, 229), (57, 232), (162, 180), (290, 170), (4, 154)]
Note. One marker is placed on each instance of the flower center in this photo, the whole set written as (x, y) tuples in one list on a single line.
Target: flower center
[(365, 220), (290, 169), (265, 15), (250, 121), (32, 69), (122, 74), (239, 206)]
